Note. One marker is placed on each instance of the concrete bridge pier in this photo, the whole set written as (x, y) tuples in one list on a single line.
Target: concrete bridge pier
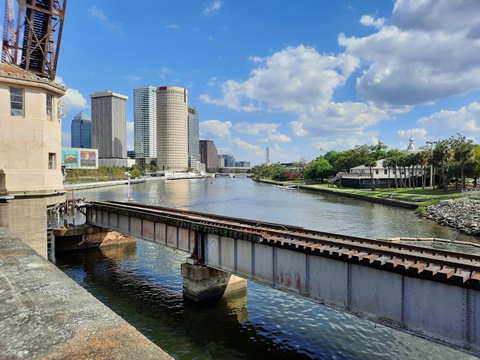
[(88, 236), (203, 284)]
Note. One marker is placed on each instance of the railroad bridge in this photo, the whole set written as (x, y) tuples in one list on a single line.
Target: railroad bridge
[(428, 292)]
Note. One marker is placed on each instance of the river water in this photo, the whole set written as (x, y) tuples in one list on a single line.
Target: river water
[(142, 282)]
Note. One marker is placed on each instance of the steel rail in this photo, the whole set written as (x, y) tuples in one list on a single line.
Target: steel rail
[(342, 245)]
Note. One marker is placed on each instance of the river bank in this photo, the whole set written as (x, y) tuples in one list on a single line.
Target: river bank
[(445, 209), (451, 210), (462, 215)]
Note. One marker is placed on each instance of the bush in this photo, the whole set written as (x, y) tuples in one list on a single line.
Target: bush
[(421, 210)]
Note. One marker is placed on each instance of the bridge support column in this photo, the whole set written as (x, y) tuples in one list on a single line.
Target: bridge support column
[(88, 236), (202, 283)]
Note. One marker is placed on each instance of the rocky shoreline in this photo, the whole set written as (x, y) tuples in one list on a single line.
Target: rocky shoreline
[(462, 215)]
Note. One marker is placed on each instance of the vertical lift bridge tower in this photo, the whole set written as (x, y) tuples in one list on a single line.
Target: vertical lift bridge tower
[(34, 43)]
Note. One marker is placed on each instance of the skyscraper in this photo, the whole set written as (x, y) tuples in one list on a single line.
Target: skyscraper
[(109, 127), (209, 155), (81, 131), (145, 124), (193, 138), (172, 128)]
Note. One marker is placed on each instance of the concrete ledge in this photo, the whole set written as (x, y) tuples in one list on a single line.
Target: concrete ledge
[(202, 284), (88, 236), (46, 315)]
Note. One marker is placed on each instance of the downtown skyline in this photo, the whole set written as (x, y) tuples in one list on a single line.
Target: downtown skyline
[(301, 79)]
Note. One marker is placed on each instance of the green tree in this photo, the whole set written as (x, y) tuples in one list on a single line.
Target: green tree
[(332, 157), (462, 153), (319, 169), (421, 159), (393, 157), (441, 155), (473, 168), (370, 162)]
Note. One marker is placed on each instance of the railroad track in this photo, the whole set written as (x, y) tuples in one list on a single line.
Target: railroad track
[(413, 260)]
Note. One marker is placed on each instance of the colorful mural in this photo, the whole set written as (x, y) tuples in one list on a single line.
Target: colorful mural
[(80, 158)]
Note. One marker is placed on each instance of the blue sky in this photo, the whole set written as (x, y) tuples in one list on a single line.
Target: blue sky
[(301, 78)]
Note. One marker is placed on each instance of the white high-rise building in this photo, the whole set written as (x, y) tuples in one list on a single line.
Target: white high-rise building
[(145, 124), (172, 128), (193, 138)]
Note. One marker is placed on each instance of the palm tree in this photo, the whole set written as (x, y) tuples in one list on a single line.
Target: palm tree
[(462, 153), (422, 160), (393, 156), (370, 162), (386, 164), (409, 163), (402, 161), (441, 154)]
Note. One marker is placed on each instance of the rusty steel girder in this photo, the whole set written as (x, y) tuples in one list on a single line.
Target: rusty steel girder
[(35, 45)]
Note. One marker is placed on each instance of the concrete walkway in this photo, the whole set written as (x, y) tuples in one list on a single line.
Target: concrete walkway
[(46, 315)]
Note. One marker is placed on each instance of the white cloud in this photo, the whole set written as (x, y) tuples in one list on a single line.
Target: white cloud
[(256, 128), (429, 52), (415, 133), (214, 129), (267, 132), (301, 81), (172, 27), (164, 72), (72, 100), (100, 15), (345, 119), (213, 81), (433, 15), (212, 7), (419, 136), (444, 124), (277, 137), (246, 148), (131, 78), (290, 80), (369, 20)]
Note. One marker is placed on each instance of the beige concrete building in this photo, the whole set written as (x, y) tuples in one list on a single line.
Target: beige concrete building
[(209, 155), (30, 153), (172, 128), (109, 127)]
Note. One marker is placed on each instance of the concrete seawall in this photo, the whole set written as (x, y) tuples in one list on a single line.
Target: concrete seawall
[(46, 315)]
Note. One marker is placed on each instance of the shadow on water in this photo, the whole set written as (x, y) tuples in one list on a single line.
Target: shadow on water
[(153, 303), (142, 283)]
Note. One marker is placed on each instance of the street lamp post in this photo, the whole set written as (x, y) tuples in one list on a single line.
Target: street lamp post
[(129, 176)]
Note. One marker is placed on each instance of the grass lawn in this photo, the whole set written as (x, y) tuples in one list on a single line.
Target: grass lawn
[(419, 196)]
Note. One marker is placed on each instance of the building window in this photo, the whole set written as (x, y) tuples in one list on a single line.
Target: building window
[(49, 106), (16, 102), (51, 161)]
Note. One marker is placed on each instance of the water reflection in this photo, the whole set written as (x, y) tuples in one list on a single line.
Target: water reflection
[(142, 282)]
